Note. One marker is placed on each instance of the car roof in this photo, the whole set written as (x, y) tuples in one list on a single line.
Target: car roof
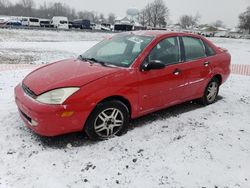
[(160, 33)]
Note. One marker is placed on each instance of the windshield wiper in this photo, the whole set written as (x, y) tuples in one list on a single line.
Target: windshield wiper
[(83, 58), (92, 60)]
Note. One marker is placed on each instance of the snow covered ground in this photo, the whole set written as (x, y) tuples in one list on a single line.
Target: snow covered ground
[(239, 49), (39, 47), (183, 146)]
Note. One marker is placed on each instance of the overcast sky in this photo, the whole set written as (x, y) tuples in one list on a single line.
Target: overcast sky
[(210, 10)]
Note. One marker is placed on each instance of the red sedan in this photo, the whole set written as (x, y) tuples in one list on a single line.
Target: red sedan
[(121, 78)]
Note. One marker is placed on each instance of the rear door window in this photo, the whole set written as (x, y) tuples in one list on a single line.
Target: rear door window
[(194, 48)]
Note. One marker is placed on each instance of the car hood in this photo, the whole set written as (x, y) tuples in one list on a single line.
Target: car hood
[(66, 73)]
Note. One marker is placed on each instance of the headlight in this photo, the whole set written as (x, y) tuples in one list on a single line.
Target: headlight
[(57, 96)]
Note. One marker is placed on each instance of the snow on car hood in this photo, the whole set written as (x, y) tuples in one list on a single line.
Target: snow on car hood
[(66, 73)]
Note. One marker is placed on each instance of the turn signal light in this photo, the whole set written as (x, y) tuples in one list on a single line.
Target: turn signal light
[(67, 114)]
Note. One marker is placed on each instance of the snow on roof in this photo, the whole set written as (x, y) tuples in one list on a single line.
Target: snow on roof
[(221, 29), (235, 30), (124, 20), (204, 28)]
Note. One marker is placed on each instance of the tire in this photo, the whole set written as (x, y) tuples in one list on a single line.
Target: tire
[(108, 119), (211, 92)]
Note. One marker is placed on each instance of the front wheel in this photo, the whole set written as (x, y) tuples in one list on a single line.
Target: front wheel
[(211, 92), (108, 119)]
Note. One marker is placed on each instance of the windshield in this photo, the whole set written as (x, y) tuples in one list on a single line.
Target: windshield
[(120, 50)]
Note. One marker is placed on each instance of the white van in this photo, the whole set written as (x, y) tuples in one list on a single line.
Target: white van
[(60, 22), (31, 22), (25, 21)]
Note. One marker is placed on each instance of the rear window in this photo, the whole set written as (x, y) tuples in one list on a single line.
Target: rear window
[(209, 50), (194, 48)]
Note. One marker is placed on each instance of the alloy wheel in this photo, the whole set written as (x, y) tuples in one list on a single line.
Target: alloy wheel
[(108, 122), (212, 91)]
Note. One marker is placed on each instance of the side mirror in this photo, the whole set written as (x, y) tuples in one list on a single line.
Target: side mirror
[(153, 65)]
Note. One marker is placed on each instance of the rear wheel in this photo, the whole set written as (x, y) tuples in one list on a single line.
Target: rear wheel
[(211, 92), (108, 119)]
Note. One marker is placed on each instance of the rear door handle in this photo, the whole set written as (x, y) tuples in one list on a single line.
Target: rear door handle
[(206, 64), (177, 72)]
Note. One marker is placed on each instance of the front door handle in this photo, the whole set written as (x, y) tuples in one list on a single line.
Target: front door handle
[(177, 72), (206, 64)]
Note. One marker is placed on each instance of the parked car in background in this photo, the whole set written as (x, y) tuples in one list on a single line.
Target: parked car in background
[(92, 26), (81, 24), (3, 22), (106, 27), (30, 22), (222, 34), (101, 27), (45, 23), (207, 33), (97, 27), (60, 22), (34, 22), (70, 24), (121, 78), (24, 21), (14, 22)]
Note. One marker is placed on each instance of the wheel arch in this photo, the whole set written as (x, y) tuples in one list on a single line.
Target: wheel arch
[(122, 99), (219, 77), (88, 126)]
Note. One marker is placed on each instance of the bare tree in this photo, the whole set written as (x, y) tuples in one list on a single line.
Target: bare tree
[(101, 18), (148, 11), (28, 8), (4, 6), (218, 23), (159, 12), (4, 3), (187, 21), (86, 15), (154, 14), (142, 17), (95, 17), (244, 19), (27, 3), (111, 18)]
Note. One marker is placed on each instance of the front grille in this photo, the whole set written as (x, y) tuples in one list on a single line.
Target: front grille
[(28, 91)]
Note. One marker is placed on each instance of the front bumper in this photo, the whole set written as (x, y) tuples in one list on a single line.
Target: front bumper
[(46, 120)]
